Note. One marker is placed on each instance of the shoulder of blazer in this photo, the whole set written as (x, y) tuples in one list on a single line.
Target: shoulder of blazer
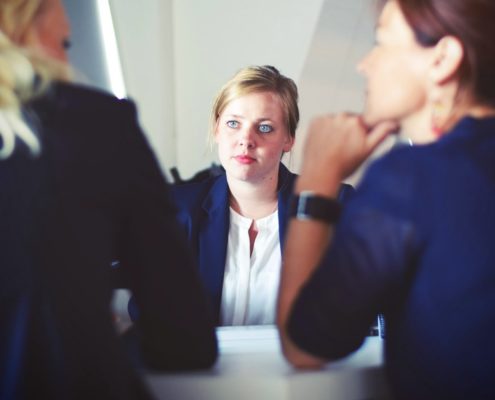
[(73, 99), (89, 115), (286, 179), (207, 195)]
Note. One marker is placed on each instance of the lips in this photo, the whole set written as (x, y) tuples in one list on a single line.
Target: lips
[(244, 159)]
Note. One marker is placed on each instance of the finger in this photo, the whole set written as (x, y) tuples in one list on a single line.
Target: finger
[(378, 134)]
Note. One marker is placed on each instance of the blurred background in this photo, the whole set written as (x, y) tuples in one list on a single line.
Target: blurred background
[(172, 56)]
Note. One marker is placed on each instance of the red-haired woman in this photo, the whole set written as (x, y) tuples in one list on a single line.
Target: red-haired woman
[(416, 239)]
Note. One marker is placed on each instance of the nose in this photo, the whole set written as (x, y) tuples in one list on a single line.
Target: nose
[(362, 65), (247, 137)]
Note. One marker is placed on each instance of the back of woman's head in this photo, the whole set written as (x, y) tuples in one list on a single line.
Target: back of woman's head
[(17, 20), (24, 71), (17, 78), (255, 79), (16, 71), (20, 21), (473, 23)]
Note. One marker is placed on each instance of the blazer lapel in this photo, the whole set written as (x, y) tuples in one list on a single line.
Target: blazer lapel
[(213, 238), (285, 185)]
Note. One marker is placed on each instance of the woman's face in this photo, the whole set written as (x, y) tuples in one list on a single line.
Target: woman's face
[(52, 30), (251, 134), (396, 70)]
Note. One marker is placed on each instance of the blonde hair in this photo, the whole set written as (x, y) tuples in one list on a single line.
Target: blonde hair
[(16, 20), (254, 79), (24, 73)]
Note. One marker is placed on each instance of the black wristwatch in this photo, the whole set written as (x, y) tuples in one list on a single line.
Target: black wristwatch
[(309, 206)]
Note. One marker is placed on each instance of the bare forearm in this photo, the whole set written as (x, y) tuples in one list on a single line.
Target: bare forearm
[(335, 147), (306, 242)]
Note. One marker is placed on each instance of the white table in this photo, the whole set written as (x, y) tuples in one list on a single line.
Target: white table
[(251, 367)]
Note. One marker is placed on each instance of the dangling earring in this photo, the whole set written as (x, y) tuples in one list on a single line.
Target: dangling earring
[(438, 117)]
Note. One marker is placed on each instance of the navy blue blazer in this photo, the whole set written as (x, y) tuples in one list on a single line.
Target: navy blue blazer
[(415, 242), (95, 193), (203, 212)]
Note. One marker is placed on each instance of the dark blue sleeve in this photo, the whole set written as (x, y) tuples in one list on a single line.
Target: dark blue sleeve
[(175, 326), (362, 271)]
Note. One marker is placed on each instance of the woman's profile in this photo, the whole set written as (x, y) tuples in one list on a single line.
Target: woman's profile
[(415, 239)]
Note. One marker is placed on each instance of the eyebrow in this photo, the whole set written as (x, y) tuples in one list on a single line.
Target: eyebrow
[(257, 120)]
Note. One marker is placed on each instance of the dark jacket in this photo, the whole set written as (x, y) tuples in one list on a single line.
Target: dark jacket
[(203, 212), (416, 242), (94, 194)]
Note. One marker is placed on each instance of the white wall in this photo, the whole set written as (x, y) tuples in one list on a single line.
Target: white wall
[(144, 31), (213, 39), (176, 54), (330, 82), (87, 53)]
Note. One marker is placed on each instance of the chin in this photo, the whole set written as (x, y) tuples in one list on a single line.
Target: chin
[(369, 119), (241, 175)]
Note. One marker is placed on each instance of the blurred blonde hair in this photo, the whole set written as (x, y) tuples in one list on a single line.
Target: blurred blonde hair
[(24, 72), (16, 19)]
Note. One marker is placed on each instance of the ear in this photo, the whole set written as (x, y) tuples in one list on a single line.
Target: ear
[(448, 56), (289, 143)]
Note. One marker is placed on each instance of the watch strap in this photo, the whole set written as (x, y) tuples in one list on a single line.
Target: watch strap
[(309, 206)]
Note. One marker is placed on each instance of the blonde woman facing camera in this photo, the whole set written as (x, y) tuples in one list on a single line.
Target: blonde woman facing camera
[(236, 222)]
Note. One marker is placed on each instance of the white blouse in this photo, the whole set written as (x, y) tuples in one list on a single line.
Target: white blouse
[(251, 282)]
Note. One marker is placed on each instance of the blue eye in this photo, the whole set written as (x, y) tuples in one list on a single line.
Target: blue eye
[(232, 124), (265, 128)]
